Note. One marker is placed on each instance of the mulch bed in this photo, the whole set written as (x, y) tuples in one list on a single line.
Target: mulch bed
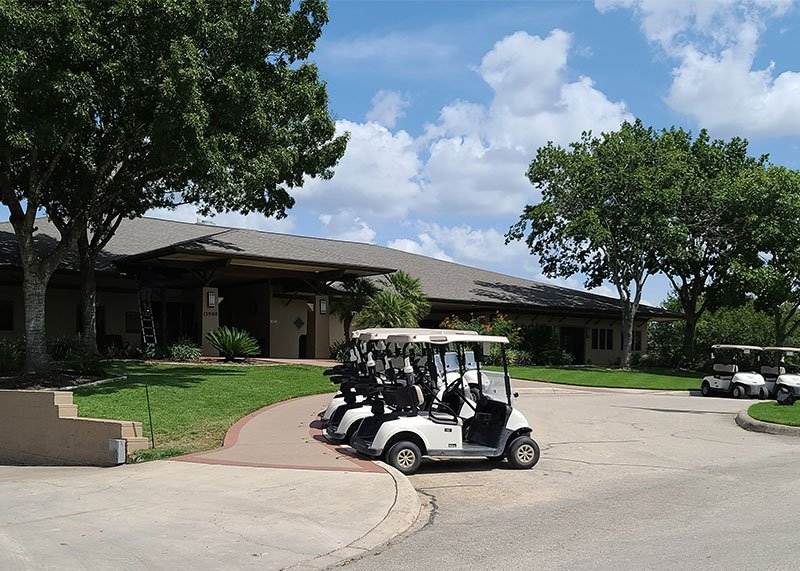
[(52, 380)]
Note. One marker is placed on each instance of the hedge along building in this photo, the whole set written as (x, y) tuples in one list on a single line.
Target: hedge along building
[(193, 278)]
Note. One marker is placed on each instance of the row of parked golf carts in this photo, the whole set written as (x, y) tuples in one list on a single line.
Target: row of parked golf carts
[(405, 394), (743, 371)]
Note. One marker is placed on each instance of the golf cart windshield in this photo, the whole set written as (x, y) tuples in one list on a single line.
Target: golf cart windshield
[(746, 358)]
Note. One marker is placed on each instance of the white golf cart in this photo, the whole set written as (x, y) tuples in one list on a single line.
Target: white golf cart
[(735, 373), (494, 430), (781, 376), (342, 419)]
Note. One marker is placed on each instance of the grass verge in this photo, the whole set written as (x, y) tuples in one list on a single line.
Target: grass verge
[(609, 378), (775, 413), (194, 405)]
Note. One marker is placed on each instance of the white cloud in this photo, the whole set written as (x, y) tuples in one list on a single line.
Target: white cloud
[(424, 245), (472, 160), (387, 108), (715, 81), (253, 221), (345, 225), (377, 177)]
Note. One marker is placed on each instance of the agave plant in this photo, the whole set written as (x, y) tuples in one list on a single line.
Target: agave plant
[(233, 343)]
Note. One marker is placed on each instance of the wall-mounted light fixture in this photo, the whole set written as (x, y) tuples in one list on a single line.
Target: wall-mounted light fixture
[(323, 306), (211, 299)]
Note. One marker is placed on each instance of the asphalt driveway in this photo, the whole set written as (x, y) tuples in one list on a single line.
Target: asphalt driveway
[(628, 479)]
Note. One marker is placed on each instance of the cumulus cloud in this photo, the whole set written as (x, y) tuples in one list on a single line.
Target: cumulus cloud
[(346, 225), (715, 81), (470, 161), (387, 108), (423, 244), (377, 177), (253, 221)]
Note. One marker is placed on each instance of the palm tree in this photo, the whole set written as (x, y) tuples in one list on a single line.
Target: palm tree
[(410, 288), (387, 308), (401, 303), (356, 293)]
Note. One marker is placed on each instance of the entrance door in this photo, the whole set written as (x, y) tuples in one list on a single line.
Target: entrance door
[(572, 341)]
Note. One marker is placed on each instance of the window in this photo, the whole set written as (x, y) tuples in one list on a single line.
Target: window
[(6, 315), (603, 339), (132, 323)]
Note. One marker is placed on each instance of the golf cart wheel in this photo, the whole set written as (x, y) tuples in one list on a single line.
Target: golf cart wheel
[(705, 389), (784, 395), (405, 456), (763, 393), (523, 453), (738, 392)]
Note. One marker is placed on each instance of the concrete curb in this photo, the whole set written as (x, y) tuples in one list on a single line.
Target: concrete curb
[(399, 519), (747, 422)]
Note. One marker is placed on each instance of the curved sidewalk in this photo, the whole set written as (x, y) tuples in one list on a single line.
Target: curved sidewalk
[(273, 497), (284, 435)]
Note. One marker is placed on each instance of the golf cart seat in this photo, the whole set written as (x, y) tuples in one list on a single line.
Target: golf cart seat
[(767, 371), (487, 425), (721, 370), (404, 397)]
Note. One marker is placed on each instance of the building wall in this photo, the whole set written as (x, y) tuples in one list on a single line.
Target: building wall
[(591, 356), (284, 337)]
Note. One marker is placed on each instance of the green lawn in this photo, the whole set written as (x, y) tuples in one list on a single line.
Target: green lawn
[(773, 412), (194, 405), (611, 378)]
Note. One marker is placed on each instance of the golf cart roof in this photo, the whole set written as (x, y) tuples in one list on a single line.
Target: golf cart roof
[(783, 349), (382, 333), (738, 347), (443, 337)]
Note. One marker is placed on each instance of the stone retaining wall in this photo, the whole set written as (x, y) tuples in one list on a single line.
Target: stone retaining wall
[(43, 428)]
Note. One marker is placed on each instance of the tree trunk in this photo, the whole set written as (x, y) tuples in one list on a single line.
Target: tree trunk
[(689, 334), (34, 288), (627, 334), (347, 324), (780, 327), (88, 303)]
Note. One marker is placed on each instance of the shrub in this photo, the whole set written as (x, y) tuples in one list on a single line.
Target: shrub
[(184, 350), (64, 348), (12, 355), (233, 343), (340, 350), (491, 324)]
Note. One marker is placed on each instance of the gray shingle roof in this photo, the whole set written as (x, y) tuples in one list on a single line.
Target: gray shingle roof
[(441, 280)]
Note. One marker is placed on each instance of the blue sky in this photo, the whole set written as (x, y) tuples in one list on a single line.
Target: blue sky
[(447, 101)]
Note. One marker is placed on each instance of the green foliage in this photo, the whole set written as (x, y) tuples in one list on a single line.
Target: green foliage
[(184, 350), (400, 303), (486, 324), (12, 355), (387, 308), (340, 350), (771, 271), (743, 325), (65, 348), (233, 343), (602, 199), (108, 109)]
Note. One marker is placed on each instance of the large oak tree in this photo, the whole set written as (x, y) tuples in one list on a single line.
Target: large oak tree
[(110, 107), (602, 199)]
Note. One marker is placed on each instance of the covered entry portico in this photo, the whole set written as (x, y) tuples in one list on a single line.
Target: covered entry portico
[(283, 304)]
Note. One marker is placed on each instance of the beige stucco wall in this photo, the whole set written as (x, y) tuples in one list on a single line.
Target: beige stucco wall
[(335, 329), (43, 428), (284, 335)]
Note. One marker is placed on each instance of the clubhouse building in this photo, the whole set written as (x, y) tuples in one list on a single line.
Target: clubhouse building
[(193, 278)]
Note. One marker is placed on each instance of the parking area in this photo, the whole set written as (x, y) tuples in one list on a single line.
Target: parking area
[(665, 480)]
